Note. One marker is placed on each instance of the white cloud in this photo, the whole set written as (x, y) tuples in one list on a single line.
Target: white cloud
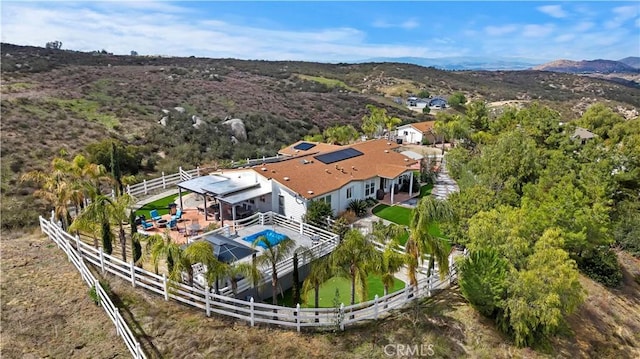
[(565, 37), (553, 11), (621, 15), (583, 26), (407, 24), (500, 30), (535, 30)]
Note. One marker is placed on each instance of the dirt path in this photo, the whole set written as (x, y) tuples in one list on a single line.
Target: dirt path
[(46, 309)]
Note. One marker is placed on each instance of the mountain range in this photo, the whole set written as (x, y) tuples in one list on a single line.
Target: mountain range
[(627, 65)]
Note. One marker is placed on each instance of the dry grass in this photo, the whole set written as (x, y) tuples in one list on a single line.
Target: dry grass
[(46, 311)]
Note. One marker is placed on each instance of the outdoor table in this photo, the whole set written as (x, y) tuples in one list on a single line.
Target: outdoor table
[(193, 228), (162, 223)]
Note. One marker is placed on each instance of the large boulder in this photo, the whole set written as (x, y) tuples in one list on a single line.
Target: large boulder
[(237, 128)]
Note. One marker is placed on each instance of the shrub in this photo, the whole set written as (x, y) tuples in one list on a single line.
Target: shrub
[(483, 281), (358, 206), (317, 212), (601, 265)]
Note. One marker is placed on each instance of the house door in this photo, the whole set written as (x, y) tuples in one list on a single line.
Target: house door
[(281, 205)]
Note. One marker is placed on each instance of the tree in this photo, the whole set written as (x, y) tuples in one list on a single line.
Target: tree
[(484, 281), (421, 242), (340, 134), (478, 115), (354, 258), (318, 212), (545, 292), (457, 100), (424, 93), (197, 252), (373, 123), (273, 254), (319, 273), (134, 53), (426, 110), (392, 259), (600, 119), (236, 270)]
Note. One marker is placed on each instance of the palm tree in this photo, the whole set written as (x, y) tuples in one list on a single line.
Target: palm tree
[(355, 258), (272, 255), (392, 259), (105, 210), (198, 252), (321, 272), (163, 247), (428, 211), (242, 269)]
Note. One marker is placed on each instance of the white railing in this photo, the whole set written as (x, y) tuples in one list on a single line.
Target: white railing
[(164, 182), (249, 311), (75, 256)]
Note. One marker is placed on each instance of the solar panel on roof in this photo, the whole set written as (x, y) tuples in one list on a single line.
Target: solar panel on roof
[(303, 146), (337, 156)]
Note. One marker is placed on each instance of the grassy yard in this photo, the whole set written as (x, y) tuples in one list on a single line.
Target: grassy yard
[(402, 216), (328, 291), (425, 190), (162, 205)]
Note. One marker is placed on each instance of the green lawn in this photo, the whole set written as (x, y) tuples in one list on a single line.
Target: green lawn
[(162, 205), (328, 291), (395, 214), (425, 190), (402, 216)]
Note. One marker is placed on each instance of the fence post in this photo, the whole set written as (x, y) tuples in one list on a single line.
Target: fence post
[(341, 317), (133, 274), (251, 312), (129, 189), (429, 287), (144, 184), (119, 331), (164, 183), (206, 301), (165, 285), (301, 227), (101, 260), (78, 245), (138, 350), (298, 316), (375, 307), (198, 170)]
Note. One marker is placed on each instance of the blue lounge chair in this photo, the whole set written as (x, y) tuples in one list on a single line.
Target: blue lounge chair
[(173, 224), (154, 215), (146, 225), (178, 215)]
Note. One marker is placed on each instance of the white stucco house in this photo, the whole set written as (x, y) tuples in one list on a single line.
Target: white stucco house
[(308, 172), (416, 133)]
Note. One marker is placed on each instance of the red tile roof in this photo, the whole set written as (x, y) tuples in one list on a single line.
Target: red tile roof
[(311, 178)]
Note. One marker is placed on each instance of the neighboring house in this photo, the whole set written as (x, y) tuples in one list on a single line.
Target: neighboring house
[(583, 135), (337, 175), (438, 103), (416, 132)]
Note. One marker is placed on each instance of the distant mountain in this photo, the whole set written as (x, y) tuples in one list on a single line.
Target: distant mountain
[(632, 61), (462, 63), (587, 66)]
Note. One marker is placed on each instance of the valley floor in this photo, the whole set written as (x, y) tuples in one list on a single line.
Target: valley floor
[(46, 311)]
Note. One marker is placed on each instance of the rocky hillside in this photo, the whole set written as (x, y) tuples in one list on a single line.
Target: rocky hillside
[(587, 66), (633, 61)]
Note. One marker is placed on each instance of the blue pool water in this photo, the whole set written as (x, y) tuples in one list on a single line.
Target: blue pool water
[(272, 236)]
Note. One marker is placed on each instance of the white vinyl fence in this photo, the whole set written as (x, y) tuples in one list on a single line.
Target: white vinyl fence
[(66, 242), (249, 311)]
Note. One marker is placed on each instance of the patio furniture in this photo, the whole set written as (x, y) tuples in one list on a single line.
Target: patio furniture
[(145, 224), (173, 224), (177, 216), (162, 223), (155, 215), (193, 228)]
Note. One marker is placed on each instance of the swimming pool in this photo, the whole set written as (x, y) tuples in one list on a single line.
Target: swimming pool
[(272, 236)]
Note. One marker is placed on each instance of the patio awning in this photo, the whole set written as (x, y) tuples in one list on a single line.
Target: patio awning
[(245, 195), (227, 250), (199, 184), (412, 155)]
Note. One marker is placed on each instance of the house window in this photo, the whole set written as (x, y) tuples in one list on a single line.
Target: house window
[(369, 188), (349, 192), (326, 199), (406, 133)]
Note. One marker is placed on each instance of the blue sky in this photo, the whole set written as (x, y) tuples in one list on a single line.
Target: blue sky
[(332, 31)]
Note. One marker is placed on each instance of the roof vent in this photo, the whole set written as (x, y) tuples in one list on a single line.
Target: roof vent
[(386, 151), (406, 159), (388, 143), (264, 168), (273, 171), (310, 192), (286, 178)]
